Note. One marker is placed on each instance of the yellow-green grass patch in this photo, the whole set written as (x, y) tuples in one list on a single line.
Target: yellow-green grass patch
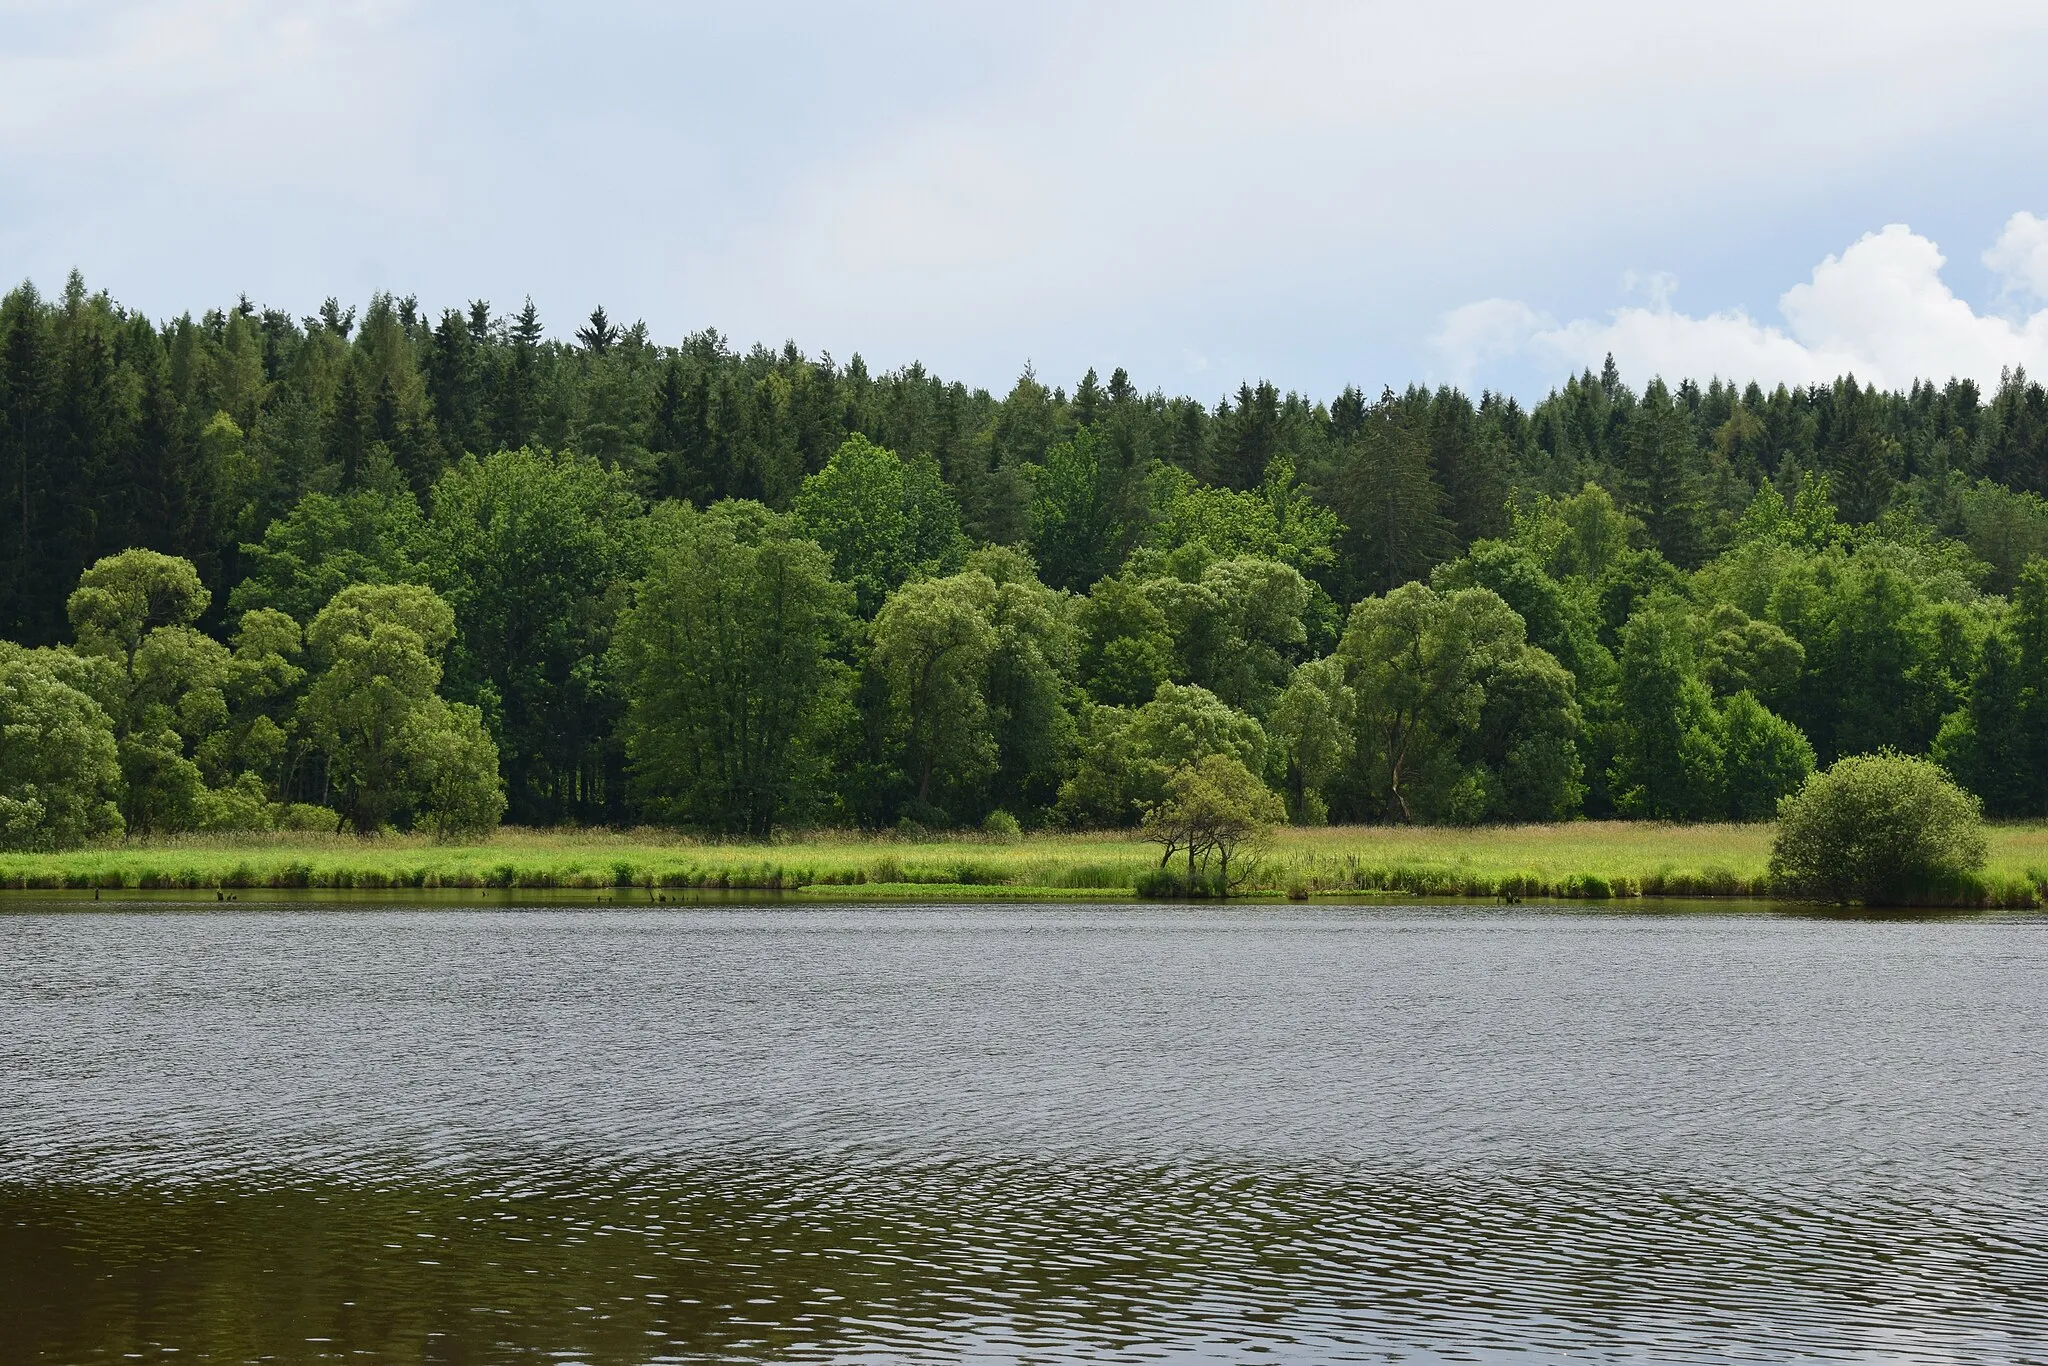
[(1577, 859)]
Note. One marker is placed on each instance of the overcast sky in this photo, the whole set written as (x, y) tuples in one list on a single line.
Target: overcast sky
[(1489, 193)]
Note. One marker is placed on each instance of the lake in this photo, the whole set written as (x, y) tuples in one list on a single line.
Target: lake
[(1281, 1133)]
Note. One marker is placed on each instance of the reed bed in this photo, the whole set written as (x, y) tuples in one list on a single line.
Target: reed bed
[(1580, 860)]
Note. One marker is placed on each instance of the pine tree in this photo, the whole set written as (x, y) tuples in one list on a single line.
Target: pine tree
[(1986, 746), (1660, 461), (1379, 483), (1247, 437), (347, 434), (516, 409), (31, 615), (453, 382), (1347, 413), (1087, 405), (597, 335)]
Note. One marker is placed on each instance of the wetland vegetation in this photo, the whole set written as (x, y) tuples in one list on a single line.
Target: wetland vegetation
[(1579, 860)]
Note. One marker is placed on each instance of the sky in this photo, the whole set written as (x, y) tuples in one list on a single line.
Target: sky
[(1490, 194)]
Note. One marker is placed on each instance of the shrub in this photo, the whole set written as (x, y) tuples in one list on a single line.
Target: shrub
[(1880, 829), (1173, 884), (1001, 827), (306, 816), (240, 805)]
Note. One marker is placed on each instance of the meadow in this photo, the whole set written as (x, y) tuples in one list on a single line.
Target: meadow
[(1584, 860)]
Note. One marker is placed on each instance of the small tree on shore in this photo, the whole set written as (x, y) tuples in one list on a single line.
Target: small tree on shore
[(1880, 829), (1212, 808)]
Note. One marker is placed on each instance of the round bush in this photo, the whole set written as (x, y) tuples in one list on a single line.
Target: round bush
[(1881, 829)]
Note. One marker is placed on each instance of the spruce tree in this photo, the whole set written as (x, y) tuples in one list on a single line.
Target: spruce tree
[(348, 436)]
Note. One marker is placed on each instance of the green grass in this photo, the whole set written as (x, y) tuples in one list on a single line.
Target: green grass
[(1578, 860)]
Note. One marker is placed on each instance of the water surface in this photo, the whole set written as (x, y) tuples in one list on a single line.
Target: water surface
[(1041, 1134)]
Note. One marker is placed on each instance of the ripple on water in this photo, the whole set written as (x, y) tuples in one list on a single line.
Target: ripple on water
[(1021, 1135)]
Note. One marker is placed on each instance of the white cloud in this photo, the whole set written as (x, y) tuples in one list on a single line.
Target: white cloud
[(1293, 190), (1478, 333), (2020, 255), (1880, 311)]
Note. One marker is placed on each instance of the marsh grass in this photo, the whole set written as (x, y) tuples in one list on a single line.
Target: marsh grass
[(1580, 860)]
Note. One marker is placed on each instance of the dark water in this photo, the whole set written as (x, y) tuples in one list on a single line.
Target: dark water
[(1020, 1135)]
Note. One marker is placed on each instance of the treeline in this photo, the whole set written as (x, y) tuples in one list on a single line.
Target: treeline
[(739, 591)]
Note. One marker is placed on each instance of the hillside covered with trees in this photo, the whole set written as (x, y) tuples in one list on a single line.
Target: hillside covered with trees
[(431, 571)]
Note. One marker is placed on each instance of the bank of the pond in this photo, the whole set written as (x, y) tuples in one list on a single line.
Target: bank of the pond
[(1586, 860)]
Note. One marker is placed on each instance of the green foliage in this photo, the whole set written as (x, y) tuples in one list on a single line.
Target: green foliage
[(1889, 632), (1126, 648), (1878, 829), (1661, 468), (1997, 743), (327, 542), (60, 773), (163, 689), (1554, 617), (1417, 662), (725, 658), (1087, 509), (1763, 758), (123, 598), (932, 643), (1525, 751), (1212, 808), (1741, 654), (1313, 729), (242, 804), (1236, 624), (271, 463), (533, 551), (1127, 753), (1562, 619), (1878, 674), (1809, 523), (261, 689), (456, 790), (1276, 521), (394, 747), (1029, 677), (881, 519), (1579, 537), (2005, 528), (1668, 764), (1378, 480)]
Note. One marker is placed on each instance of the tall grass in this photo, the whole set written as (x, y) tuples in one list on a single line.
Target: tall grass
[(1582, 860)]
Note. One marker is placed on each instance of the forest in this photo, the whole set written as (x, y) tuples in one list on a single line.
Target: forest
[(390, 570)]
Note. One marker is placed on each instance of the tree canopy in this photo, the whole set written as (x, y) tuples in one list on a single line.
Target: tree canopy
[(390, 566)]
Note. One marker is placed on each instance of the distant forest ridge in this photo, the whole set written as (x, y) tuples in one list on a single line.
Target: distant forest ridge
[(192, 436)]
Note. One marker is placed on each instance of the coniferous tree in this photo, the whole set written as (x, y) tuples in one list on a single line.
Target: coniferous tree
[(1247, 437), (348, 438), (1660, 471), (1380, 484), (454, 383), (598, 334), (33, 607)]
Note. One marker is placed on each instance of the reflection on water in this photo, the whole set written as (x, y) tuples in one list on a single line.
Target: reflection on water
[(1035, 1134)]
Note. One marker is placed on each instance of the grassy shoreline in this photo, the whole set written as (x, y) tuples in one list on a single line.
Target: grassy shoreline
[(1583, 860)]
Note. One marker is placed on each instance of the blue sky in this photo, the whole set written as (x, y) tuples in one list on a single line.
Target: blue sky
[(1317, 194)]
